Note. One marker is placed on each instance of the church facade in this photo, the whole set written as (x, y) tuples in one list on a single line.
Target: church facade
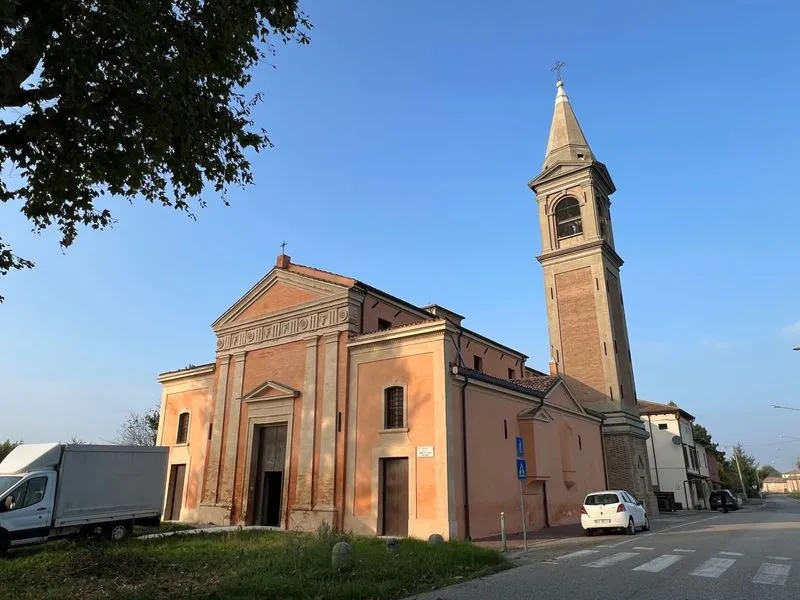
[(330, 401)]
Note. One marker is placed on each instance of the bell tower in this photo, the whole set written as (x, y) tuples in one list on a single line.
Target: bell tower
[(585, 310)]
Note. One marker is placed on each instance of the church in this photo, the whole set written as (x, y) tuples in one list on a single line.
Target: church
[(332, 402)]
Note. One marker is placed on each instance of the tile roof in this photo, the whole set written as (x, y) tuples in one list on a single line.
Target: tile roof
[(773, 480), (541, 383), (534, 386), (653, 408)]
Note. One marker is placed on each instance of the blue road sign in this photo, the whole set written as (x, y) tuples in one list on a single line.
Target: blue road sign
[(520, 448), (522, 472)]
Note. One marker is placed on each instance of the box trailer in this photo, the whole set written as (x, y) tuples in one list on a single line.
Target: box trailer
[(51, 491)]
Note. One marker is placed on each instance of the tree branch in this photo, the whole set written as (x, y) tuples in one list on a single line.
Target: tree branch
[(23, 97), (21, 60)]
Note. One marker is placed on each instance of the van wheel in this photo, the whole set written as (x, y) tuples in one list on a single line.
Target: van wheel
[(117, 531), (589, 532)]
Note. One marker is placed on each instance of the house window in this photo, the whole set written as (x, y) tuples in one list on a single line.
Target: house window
[(383, 325), (568, 218), (183, 428), (511, 374), (662, 425), (477, 363), (393, 416)]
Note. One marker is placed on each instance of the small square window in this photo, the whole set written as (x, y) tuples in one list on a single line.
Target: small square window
[(477, 363), (662, 425), (383, 325), (511, 374)]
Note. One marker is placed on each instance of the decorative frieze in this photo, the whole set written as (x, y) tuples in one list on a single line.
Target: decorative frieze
[(285, 328)]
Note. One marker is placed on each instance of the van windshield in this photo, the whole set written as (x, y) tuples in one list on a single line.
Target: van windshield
[(601, 499), (6, 481)]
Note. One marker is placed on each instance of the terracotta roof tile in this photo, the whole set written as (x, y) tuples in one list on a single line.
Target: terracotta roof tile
[(540, 384)]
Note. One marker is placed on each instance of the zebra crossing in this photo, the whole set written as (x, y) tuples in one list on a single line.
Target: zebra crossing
[(775, 570)]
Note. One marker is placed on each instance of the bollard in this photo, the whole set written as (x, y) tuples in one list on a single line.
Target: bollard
[(503, 546)]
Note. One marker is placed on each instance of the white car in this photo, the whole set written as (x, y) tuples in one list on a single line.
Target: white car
[(613, 509)]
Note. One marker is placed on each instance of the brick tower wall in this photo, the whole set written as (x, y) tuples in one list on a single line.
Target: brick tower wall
[(627, 468)]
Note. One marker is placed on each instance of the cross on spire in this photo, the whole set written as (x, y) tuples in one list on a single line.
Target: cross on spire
[(557, 68), (283, 248)]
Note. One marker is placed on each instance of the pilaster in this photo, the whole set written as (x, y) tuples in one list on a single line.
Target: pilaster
[(305, 465), (232, 441), (327, 447), (212, 478)]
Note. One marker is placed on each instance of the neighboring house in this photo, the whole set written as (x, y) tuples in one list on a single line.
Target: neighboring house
[(713, 470), (775, 485), (332, 401), (792, 481), (678, 464)]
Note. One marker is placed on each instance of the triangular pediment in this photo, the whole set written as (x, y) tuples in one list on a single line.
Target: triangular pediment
[(560, 395), (278, 291), (270, 390), (543, 416)]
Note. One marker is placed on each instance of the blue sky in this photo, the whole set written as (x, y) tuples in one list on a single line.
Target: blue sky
[(405, 136)]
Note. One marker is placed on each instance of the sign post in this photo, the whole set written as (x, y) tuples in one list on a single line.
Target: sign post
[(522, 475)]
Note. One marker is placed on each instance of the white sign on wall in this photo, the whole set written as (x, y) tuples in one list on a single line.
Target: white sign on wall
[(424, 451)]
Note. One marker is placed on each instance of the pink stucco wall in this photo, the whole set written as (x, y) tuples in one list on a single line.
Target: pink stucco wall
[(565, 455)]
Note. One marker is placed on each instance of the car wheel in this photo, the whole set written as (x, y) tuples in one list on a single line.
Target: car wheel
[(589, 532), (631, 529), (646, 526)]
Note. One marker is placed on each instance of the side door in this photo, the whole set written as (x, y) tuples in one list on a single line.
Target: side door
[(28, 509), (634, 509)]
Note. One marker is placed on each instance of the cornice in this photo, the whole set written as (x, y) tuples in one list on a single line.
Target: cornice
[(171, 376), (584, 249)]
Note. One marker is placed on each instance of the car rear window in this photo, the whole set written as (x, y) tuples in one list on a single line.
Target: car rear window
[(599, 499)]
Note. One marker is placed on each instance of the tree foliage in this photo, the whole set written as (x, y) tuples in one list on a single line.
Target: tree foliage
[(768, 471), (6, 448), (139, 429), (140, 99)]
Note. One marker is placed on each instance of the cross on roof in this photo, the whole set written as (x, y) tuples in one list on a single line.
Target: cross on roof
[(557, 68), (283, 248)]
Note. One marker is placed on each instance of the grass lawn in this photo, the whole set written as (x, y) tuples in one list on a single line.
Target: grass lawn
[(245, 564)]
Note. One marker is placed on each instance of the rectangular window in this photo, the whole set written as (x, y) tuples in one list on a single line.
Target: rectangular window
[(505, 428), (580, 443), (511, 373), (615, 347), (621, 391), (477, 363), (605, 349), (383, 325), (662, 425), (393, 400), (685, 457), (183, 428), (611, 392)]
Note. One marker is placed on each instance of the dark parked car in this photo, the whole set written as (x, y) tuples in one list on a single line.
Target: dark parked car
[(716, 500)]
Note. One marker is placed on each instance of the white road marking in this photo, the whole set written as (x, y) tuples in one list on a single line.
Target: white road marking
[(611, 560), (644, 535), (713, 567), (772, 574), (659, 564), (731, 553), (684, 550), (779, 558), (576, 554), (642, 548)]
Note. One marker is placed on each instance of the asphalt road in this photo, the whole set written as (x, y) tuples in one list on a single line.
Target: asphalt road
[(751, 553)]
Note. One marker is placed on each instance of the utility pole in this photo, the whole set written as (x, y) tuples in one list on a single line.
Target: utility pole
[(739, 468)]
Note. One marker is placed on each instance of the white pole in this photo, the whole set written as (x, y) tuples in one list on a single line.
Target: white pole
[(503, 545), (522, 504)]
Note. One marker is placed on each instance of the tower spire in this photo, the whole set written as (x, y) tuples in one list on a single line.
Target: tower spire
[(566, 141)]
